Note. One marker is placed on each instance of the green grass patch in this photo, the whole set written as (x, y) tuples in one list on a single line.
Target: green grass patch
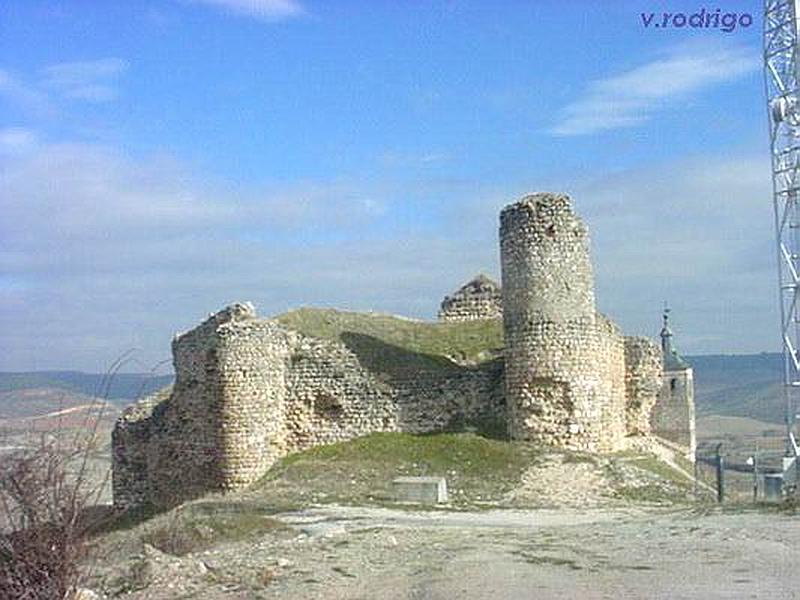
[(477, 469), (389, 344), (647, 494)]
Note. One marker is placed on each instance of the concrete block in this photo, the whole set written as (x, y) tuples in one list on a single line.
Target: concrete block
[(773, 487), (426, 490)]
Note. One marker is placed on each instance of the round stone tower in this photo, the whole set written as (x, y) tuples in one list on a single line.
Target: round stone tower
[(558, 384)]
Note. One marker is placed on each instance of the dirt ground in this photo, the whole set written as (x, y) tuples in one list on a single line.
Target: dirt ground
[(335, 552)]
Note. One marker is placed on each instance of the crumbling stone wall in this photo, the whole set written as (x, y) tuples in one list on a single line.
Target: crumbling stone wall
[(479, 298), (222, 424), (561, 362), (130, 443), (613, 367), (462, 398), (249, 391), (332, 398), (643, 382)]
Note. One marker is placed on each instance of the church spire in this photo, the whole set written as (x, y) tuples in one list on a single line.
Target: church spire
[(666, 333), (672, 360)]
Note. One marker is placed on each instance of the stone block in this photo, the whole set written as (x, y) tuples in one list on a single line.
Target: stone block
[(424, 490)]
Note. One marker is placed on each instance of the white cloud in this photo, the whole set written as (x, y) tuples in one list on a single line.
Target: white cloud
[(14, 140), (698, 233), (25, 96), (267, 10), (92, 81), (102, 253), (633, 97)]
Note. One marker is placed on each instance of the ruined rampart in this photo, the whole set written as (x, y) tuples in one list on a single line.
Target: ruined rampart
[(249, 391), (643, 381)]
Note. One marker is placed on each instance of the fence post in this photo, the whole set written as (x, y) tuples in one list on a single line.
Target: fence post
[(720, 475), (755, 474)]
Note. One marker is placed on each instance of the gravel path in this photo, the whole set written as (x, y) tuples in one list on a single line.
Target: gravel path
[(369, 553), (561, 554)]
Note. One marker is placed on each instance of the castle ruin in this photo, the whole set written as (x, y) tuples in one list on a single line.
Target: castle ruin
[(479, 298), (249, 390)]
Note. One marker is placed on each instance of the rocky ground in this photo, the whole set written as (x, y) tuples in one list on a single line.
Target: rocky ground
[(336, 552), (525, 521)]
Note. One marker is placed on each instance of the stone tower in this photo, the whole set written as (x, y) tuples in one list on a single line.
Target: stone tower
[(479, 298), (673, 417), (564, 362)]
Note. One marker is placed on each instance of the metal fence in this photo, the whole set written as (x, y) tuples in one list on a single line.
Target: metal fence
[(733, 476)]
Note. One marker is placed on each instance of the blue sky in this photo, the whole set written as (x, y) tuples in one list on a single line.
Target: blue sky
[(160, 159)]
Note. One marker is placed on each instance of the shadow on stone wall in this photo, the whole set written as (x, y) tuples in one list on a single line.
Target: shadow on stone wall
[(432, 393), (384, 359)]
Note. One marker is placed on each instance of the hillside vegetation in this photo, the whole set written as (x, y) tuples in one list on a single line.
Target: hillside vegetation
[(390, 344), (479, 472)]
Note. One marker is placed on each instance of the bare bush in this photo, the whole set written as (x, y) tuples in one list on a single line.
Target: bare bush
[(44, 541), (49, 505)]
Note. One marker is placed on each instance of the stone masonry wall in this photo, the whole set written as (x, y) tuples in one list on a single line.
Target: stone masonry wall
[(332, 398), (248, 391), (673, 416), (612, 366), (479, 298), (558, 357), (220, 425), (643, 382), (251, 360), (130, 443), (466, 397)]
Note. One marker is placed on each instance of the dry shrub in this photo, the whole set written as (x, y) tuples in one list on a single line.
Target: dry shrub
[(43, 495), (49, 505)]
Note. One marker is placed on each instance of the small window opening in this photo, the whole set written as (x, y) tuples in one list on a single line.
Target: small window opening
[(327, 407)]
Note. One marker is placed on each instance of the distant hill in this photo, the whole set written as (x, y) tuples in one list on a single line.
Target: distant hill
[(739, 385), (122, 388)]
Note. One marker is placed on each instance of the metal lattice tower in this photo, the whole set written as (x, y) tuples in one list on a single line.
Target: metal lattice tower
[(782, 61)]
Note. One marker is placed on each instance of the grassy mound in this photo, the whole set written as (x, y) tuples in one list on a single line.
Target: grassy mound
[(480, 472), (389, 344), (360, 471)]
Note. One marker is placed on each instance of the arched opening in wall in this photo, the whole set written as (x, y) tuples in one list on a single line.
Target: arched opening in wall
[(327, 407), (673, 383)]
